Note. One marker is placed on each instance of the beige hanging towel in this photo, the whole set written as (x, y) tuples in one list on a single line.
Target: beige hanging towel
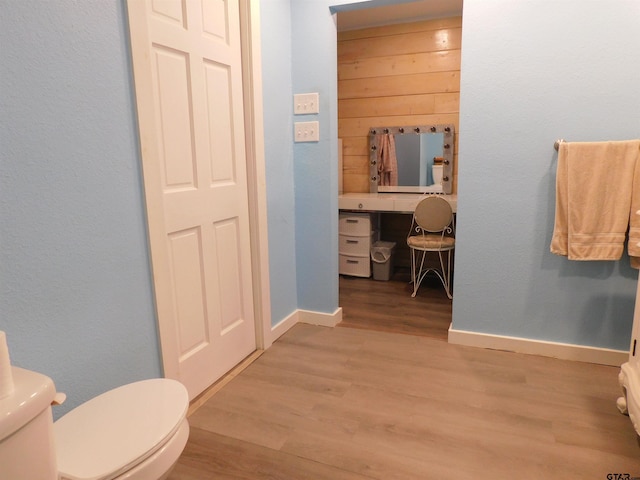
[(387, 161), (595, 184), (634, 219)]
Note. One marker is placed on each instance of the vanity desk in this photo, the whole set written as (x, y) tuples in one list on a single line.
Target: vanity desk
[(405, 164), (362, 222), (387, 202)]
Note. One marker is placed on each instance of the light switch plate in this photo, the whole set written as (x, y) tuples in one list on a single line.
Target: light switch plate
[(305, 103), (306, 131)]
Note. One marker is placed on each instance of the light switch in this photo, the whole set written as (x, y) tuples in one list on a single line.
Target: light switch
[(305, 103), (306, 131)]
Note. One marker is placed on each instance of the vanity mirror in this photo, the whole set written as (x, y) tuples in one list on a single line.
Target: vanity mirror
[(415, 159)]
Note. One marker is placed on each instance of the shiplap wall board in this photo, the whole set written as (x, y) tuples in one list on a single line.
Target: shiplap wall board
[(404, 74)]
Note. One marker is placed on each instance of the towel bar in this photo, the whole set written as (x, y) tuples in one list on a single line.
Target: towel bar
[(557, 143)]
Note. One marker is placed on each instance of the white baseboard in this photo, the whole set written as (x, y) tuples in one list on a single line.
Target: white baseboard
[(283, 325), (306, 316), (563, 351), (322, 319)]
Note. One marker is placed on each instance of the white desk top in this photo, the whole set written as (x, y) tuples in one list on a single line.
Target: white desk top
[(386, 202)]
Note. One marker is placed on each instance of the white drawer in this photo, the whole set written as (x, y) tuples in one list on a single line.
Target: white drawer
[(351, 245), (354, 224), (365, 201), (355, 266)]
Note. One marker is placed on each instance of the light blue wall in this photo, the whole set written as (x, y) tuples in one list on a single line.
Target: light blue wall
[(315, 165), (533, 72), (278, 131), (75, 287), (299, 56), (314, 69)]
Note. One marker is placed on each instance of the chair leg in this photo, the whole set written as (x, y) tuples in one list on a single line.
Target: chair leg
[(418, 272), (417, 277), (413, 267), (446, 274), (414, 280)]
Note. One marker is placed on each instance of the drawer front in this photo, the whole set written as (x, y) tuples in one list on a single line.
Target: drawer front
[(366, 202), (354, 224), (350, 245), (355, 266)]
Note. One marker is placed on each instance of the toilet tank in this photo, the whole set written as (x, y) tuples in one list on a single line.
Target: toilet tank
[(27, 449)]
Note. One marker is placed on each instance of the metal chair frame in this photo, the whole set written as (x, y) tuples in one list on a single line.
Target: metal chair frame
[(432, 230)]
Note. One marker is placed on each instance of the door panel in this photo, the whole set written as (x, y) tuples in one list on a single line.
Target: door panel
[(187, 67)]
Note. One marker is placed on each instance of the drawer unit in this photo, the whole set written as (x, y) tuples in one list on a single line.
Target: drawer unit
[(355, 238)]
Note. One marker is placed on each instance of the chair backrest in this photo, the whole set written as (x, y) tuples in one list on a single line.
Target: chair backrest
[(433, 214)]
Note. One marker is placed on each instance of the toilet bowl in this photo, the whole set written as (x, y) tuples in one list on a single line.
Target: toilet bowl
[(133, 432), (136, 431)]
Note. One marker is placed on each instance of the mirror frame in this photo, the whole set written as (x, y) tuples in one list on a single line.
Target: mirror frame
[(447, 153)]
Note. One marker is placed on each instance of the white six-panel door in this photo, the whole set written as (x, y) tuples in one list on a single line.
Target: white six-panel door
[(188, 81)]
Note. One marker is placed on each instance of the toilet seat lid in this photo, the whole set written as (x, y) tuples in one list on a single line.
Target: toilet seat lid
[(120, 428)]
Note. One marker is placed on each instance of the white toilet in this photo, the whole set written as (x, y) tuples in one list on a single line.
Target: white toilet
[(134, 432)]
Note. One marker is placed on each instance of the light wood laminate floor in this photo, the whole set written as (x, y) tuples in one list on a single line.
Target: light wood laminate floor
[(356, 404), (387, 306)]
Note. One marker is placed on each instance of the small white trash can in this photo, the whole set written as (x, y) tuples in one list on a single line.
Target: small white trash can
[(382, 259)]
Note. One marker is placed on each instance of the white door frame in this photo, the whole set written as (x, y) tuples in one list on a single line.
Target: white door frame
[(256, 172)]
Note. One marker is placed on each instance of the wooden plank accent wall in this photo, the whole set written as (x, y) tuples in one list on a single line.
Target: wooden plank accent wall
[(404, 74)]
